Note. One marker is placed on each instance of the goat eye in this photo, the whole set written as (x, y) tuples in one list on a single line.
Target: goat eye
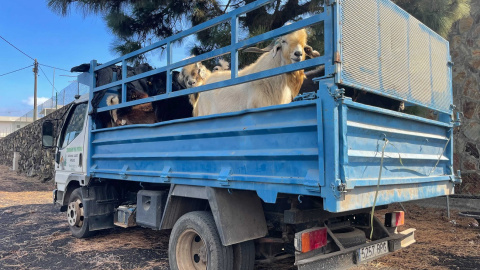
[(283, 41)]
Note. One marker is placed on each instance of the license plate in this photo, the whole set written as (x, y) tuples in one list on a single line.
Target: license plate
[(372, 251)]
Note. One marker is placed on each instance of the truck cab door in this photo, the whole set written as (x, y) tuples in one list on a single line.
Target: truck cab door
[(70, 158)]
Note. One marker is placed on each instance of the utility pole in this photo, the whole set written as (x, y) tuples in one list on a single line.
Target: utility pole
[(53, 86), (35, 72)]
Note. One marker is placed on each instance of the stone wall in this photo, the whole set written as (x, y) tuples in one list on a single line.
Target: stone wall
[(465, 50), (34, 160)]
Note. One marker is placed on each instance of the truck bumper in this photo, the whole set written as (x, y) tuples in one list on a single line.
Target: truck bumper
[(346, 258)]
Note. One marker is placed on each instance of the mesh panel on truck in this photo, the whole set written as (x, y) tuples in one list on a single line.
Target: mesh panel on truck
[(387, 51)]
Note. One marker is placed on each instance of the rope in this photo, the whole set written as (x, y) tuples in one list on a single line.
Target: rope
[(378, 187), (441, 155), (380, 175)]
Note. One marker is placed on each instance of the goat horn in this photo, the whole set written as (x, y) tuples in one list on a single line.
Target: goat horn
[(256, 50), (264, 50)]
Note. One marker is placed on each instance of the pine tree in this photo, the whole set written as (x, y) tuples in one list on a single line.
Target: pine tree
[(439, 15), (137, 23)]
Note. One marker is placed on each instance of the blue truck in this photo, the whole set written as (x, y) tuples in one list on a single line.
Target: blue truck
[(300, 179)]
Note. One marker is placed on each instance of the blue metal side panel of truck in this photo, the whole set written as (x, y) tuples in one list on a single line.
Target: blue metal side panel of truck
[(416, 162), (268, 150), (329, 147)]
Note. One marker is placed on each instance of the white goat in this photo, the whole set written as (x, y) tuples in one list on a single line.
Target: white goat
[(222, 65), (270, 91), (192, 76)]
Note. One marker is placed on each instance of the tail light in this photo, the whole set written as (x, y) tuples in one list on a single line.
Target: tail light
[(311, 239), (394, 219)]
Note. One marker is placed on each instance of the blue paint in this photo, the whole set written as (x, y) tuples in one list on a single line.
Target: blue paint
[(309, 147)]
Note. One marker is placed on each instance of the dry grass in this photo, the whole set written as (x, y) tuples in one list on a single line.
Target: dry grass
[(442, 243), (139, 239), (8, 199), (36, 236)]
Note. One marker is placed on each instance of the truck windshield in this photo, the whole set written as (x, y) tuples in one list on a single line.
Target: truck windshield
[(74, 125)]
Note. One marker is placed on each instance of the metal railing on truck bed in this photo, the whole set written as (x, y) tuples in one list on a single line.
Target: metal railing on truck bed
[(328, 146)]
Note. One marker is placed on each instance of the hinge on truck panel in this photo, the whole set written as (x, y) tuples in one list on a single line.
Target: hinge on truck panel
[(124, 172), (338, 189), (312, 181), (92, 170), (164, 174), (337, 93), (223, 176), (337, 57), (456, 179), (330, 2)]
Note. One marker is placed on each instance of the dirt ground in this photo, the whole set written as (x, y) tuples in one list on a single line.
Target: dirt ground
[(34, 235)]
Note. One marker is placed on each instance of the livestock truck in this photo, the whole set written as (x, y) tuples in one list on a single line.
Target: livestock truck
[(301, 179)]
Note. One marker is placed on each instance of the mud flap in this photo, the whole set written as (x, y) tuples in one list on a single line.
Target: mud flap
[(99, 204), (238, 215)]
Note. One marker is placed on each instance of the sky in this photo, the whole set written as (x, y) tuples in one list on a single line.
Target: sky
[(62, 42)]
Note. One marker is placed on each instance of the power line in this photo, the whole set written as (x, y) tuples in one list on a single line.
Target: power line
[(47, 78), (15, 71), (54, 67), (17, 48), (30, 56)]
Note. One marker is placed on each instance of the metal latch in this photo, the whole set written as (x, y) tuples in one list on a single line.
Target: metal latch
[(338, 189), (312, 181), (457, 179), (223, 176), (337, 93), (124, 172), (306, 96)]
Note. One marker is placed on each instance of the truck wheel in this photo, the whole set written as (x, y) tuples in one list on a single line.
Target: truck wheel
[(76, 215), (244, 256), (350, 237), (195, 244)]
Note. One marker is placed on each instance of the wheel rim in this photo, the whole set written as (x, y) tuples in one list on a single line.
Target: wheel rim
[(75, 213), (191, 251)]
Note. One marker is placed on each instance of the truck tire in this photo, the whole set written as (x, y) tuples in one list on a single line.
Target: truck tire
[(244, 256), (76, 215), (350, 237), (195, 244)]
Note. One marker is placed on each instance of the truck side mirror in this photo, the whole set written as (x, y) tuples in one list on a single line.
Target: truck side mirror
[(47, 134)]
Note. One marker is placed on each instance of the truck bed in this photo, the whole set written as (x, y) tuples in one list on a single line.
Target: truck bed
[(285, 149)]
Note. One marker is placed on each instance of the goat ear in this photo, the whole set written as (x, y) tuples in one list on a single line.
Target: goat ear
[(180, 78), (310, 52), (203, 72), (224, 64), (277, 47)]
